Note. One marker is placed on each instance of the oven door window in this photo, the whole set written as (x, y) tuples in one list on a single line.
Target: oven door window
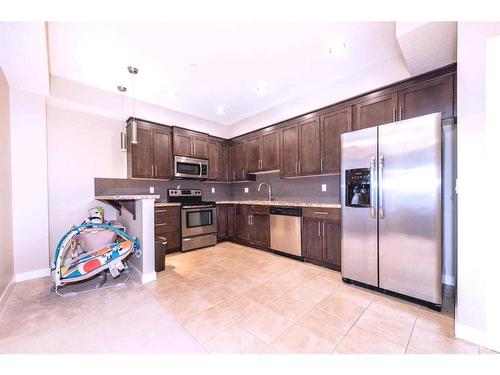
[(199, 218), (188, 168)]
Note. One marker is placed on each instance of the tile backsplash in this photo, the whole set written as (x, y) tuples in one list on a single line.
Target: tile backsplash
[(112, 186), (306, 189)]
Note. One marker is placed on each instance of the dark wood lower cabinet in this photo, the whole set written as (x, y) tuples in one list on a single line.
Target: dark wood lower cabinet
[(221, 221), (331, 249), (167, 227), (231, 221), (253, 225), (260, 231), (321, 237), (243, 222), (312, 241)]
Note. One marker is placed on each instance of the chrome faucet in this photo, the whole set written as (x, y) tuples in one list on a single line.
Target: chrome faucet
[(270, 190)]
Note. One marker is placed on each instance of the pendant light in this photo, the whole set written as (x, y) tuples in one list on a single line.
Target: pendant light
[(123, 89), (133, 124)]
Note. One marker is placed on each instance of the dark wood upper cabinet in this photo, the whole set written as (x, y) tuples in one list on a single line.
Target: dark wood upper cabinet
[(239, 162), (141, 155), (436, 95), (213, 159), (190, 143), (262, 151), (332, 125), (222, 168), (253, 152), (309, 147), (217, 159), (270, 151), (289, 150), (200, 146), (375, 111), (182, 144), (151, 156), (162, 151)]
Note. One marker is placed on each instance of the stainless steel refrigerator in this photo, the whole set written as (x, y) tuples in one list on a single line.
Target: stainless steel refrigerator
[(391, 207)]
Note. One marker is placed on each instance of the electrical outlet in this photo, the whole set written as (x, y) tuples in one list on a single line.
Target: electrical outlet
[(246, 190), (213, 190), (323, 187), (151, 190)]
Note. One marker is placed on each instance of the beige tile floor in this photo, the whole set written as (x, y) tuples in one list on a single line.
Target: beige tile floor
[(226, 299), (235, 299)]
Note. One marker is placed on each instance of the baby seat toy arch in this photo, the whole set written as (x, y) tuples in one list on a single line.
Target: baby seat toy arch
[(86, 266)]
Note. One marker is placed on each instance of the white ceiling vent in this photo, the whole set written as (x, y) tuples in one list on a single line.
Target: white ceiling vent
[(427, 45)]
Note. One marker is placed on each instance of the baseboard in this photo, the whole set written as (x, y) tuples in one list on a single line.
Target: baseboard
[(476, 336), (448, 280), (139, 276), (6, 293), (44, 272)]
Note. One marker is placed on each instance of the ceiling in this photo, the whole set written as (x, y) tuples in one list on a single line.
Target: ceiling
[(229, 59)]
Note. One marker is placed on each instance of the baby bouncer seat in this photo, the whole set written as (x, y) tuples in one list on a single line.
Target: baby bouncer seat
[(88, 270)]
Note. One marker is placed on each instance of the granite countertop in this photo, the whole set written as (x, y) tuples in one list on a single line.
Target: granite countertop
[(127, 197), (281, 203), (166, 204)]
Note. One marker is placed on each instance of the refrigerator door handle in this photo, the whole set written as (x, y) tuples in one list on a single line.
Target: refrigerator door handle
[(381, 187), (372, 187)]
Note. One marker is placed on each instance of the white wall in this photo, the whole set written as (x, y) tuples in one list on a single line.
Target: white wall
[(476, 267), (364, 81), (81, 146), (84, 98), (29, 183), (6, 250)]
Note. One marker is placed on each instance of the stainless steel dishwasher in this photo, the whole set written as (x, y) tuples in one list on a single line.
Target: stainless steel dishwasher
[(286, 229)]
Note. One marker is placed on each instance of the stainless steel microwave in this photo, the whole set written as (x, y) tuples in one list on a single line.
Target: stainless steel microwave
[(185, 167)]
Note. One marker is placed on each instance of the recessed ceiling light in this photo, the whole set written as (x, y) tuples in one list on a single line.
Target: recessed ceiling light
[(337, 47), (220, 110), (171, 94), (193, 66), (262, 88)]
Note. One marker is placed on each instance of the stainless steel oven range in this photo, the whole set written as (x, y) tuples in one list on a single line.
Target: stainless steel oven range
[(198, 219)]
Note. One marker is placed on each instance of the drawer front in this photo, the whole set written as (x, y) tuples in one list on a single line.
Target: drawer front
[(169, 216), (264, 210), (321, 213), (173, 239)]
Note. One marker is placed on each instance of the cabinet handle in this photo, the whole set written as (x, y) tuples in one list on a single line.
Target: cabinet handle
[(319, 229), (156, 170), (244, 174), (248, 219), (394, 114), (321, 213), (158, 211), (323, 229), (400, 112), (299, 167), (296, 171), (152, 170), (321, 164), (161, 225)]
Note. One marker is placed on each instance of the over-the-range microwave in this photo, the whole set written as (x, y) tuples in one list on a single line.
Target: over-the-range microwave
[(185, 167)]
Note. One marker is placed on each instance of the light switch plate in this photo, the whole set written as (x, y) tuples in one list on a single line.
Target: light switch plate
[(151, 190), (213, 190), (246, 190), (323, 187)]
